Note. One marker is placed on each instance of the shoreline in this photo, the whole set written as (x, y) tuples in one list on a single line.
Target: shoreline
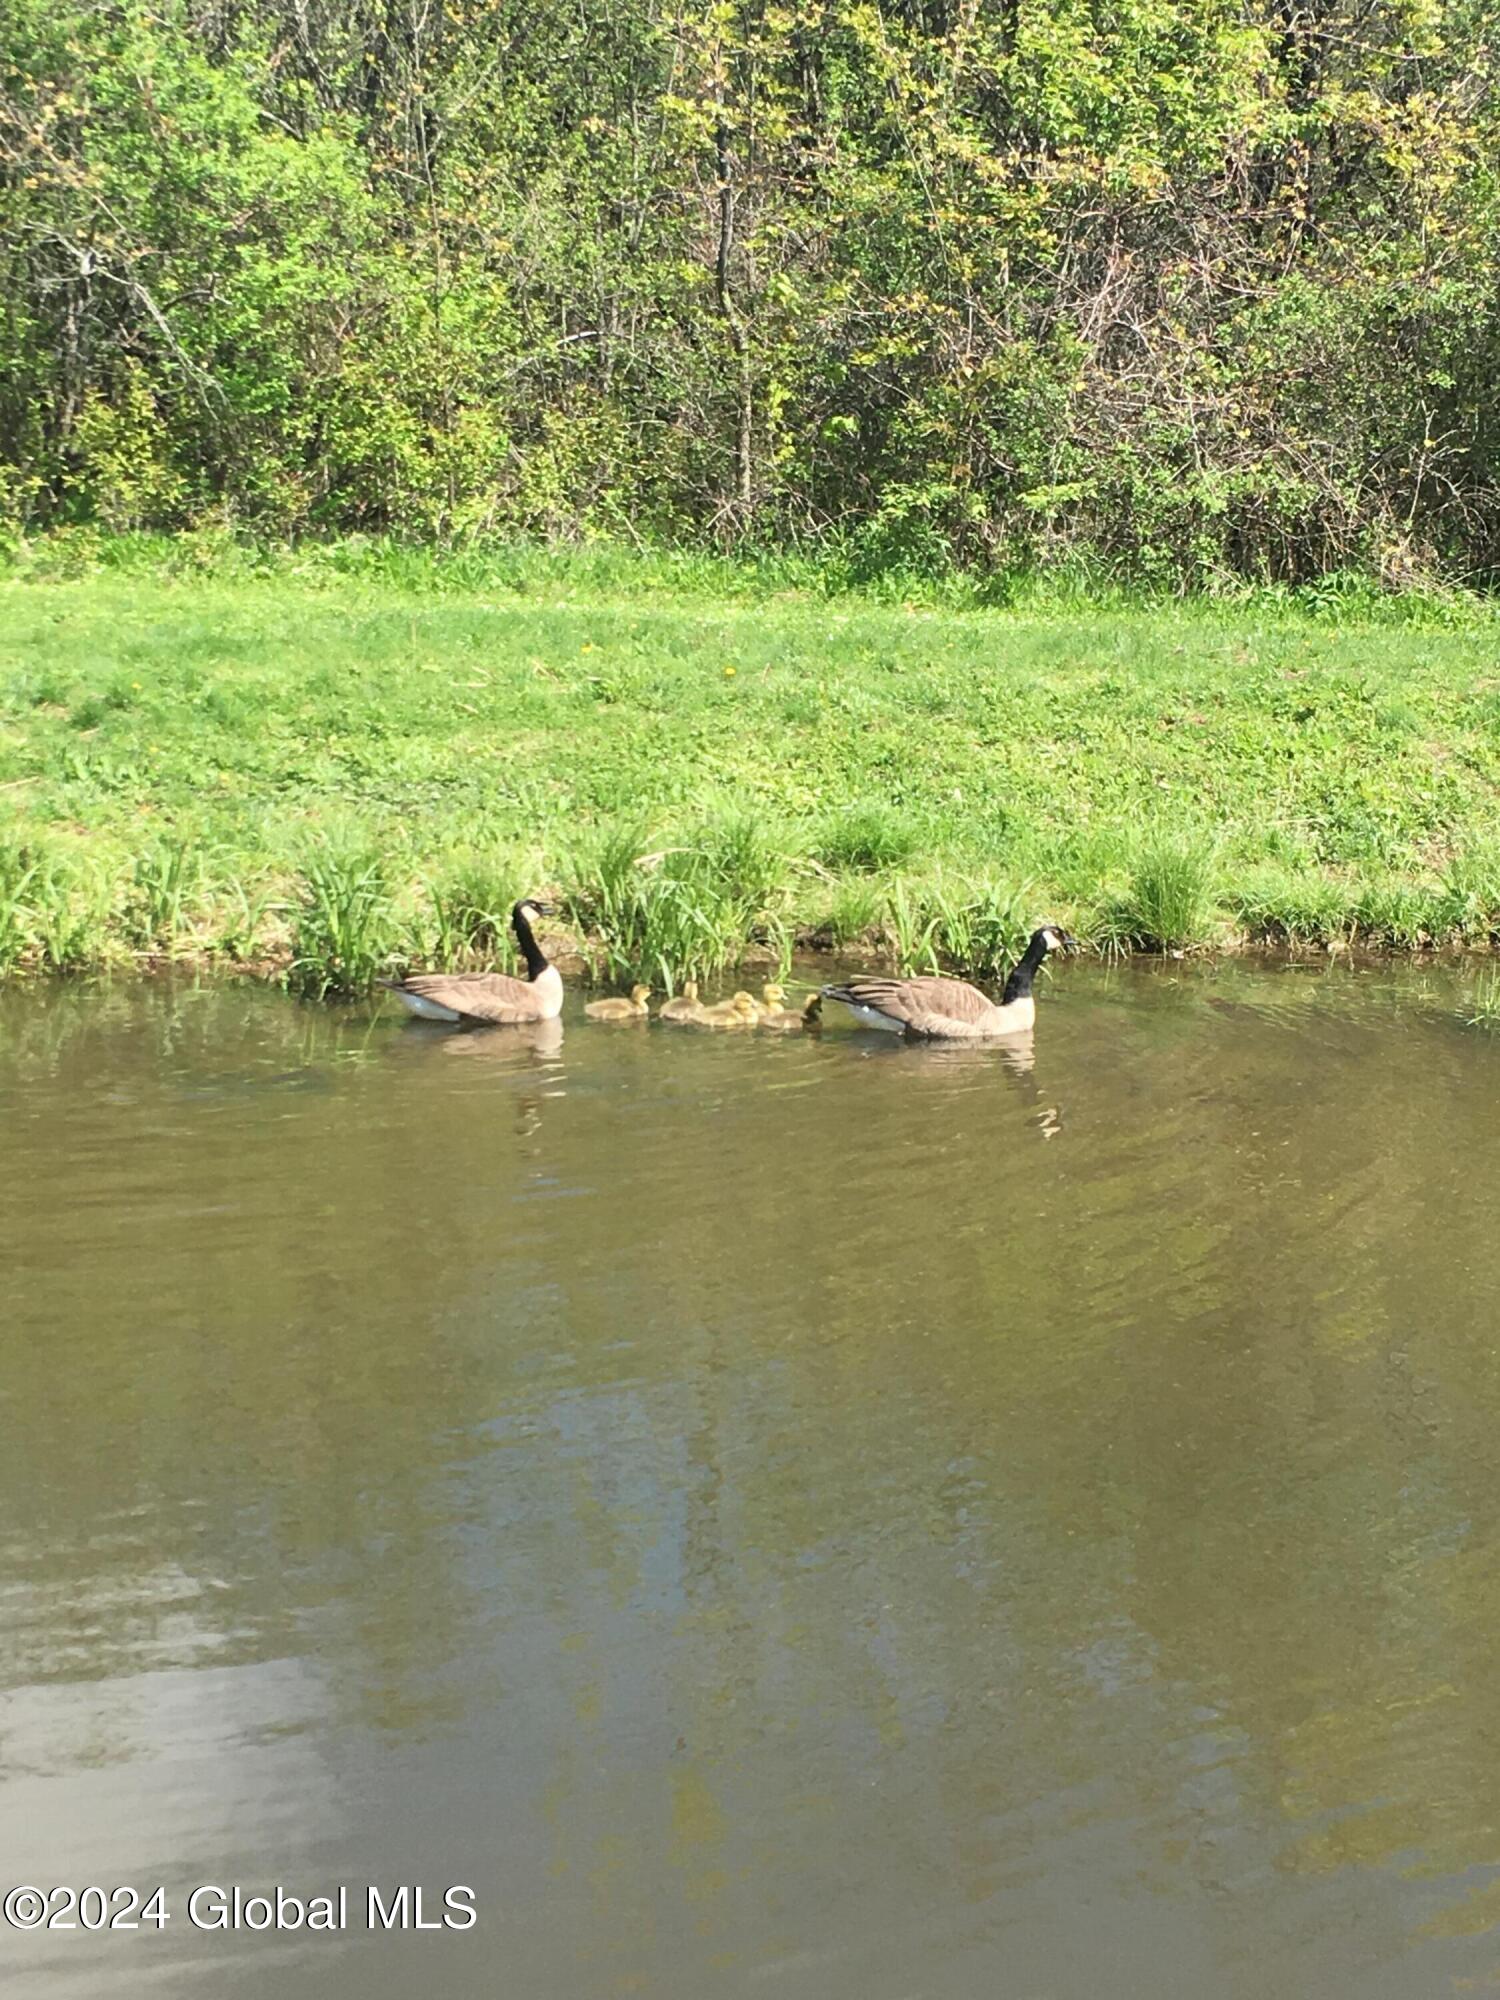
[(320, 779), (577, 959)]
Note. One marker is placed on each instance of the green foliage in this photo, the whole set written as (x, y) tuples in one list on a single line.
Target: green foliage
[(69, 906), (868, 838), (666, 911), (1290, 905), (18, 868), (471, 897), (1470, 892), (850, 913), (1168, 901), (345, 921), (166, 877), (500, 731), (1174, 291), (983, 925)]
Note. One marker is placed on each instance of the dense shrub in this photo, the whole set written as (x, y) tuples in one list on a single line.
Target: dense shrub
[(1193, 290)]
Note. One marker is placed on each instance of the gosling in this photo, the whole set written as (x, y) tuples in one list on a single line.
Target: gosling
[(620, 1009), (778, 1015), (740, 1010), (687, 1007)]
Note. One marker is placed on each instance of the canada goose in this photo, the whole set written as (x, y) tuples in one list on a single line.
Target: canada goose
[(951, 1009), (740, 1010), (619, 1009), (686, 1007), (493, 998), (778, 1015)]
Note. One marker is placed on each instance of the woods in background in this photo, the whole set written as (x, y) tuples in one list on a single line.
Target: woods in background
[(1185, 290)]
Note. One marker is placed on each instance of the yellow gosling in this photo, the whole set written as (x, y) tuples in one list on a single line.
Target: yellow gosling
[(778, 1015), (740, 1010), (687, 1007), (620, 1009)]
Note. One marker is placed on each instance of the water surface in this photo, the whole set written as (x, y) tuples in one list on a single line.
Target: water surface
[(791, 1516)]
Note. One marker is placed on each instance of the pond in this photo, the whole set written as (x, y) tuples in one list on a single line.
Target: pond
[(802, 1516)]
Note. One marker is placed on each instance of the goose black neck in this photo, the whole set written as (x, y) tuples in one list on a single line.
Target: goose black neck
[(531, 951), (1024, 971)]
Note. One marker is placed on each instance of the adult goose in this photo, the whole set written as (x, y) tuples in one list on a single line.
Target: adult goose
[(490, 999), (951, 1010)]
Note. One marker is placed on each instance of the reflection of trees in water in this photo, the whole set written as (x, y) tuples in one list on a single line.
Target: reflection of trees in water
[(773, 1406), (1218, 1429)]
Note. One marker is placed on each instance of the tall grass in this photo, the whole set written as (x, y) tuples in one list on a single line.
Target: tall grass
[(868, 838), (17, 869), (849, 912), (469, 901), (344, 929), (909, 925), (1168, 902), (982, 925), (665, 910), (1470, 891), (1292, 906), (57, 907), (71, 912), (166, 878)]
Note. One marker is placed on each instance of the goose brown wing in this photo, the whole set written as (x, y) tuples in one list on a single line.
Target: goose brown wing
[(920, 1004), (478, 996)]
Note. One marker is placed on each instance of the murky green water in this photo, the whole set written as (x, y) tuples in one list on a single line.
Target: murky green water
[(797, 1517)]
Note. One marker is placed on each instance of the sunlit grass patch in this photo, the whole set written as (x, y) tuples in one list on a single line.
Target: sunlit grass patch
[(921, 786), (848, 912), (1169, 901), (165, 883), (665, 908), (867, 837), (1470, 891), (468, 900), (1290, 905), (344, 925)]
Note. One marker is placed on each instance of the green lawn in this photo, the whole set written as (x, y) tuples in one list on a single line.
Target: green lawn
[(350, 770)]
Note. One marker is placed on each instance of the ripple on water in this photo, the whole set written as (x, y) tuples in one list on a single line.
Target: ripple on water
[(807, 1512)]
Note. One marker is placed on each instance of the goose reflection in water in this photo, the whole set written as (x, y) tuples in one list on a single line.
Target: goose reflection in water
[(531, 1053), (518, 1046), (971, 1066), (1015, 1054)]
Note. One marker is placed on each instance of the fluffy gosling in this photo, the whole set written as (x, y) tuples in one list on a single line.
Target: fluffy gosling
[(620, 1009)]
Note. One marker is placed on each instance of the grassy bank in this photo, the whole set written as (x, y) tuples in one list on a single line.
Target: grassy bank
[(332, 767)]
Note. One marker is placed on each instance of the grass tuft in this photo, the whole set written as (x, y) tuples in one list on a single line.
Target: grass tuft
[(1470, 892), (669, 910), (344, 927), (18, 866), (867, 838), (851, 913), (1291, 905), (167, 877), (470, 902), (983, 925), (1169, 901)]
